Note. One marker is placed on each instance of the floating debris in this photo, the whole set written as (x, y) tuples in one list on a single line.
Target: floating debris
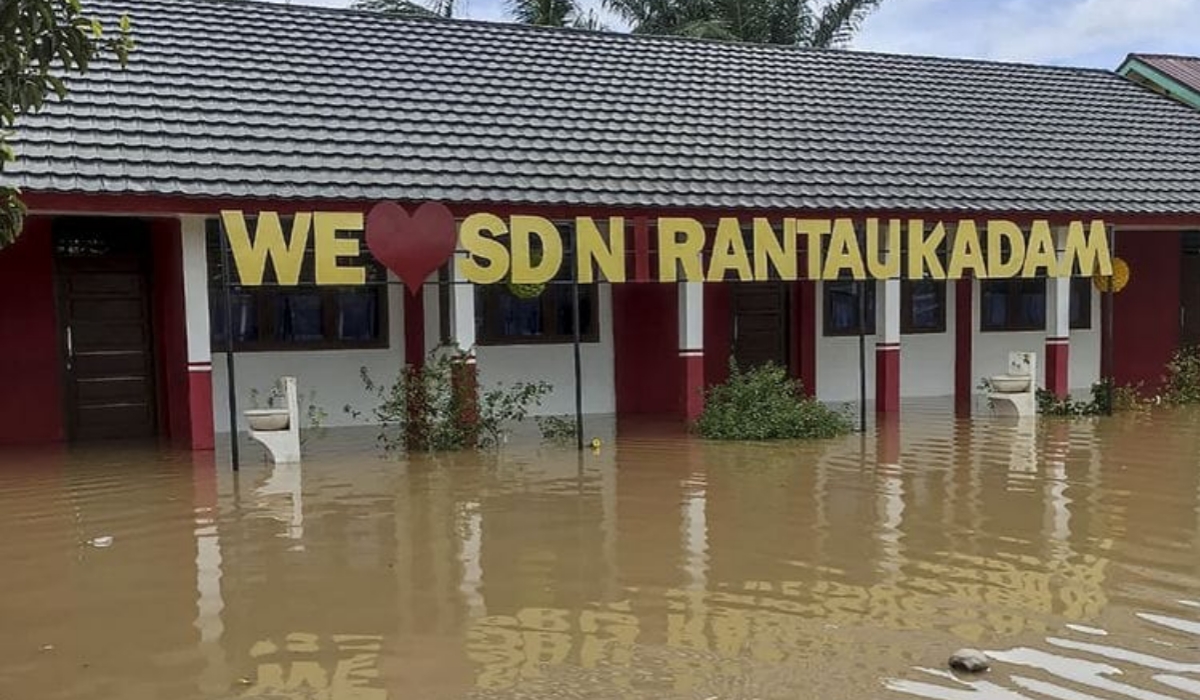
[(969, 661)]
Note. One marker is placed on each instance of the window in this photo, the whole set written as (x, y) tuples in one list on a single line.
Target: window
[(504, 318), (922, 306), (923, 301), (1019, 304), (306, 317), (1081, 302), (842, 307)]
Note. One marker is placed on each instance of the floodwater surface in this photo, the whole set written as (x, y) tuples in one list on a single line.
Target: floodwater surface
[(658, 566)]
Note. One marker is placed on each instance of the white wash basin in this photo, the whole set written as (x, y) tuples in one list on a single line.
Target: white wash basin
[(267, 419), (1010, 383)]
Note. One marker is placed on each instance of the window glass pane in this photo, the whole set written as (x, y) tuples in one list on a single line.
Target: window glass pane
[(298, 317), (1081, 302), (358, 314), (842, 307), (927, 312), (1030, 311), (245, 317), (520, 317), (563, 303), (994, 304)]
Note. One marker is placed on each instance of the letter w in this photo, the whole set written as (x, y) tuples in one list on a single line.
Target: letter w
[(250, 257)]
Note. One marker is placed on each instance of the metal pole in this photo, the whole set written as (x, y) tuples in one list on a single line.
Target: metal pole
[(234, 457), (1110, 291), (862, 356), (578, 362)]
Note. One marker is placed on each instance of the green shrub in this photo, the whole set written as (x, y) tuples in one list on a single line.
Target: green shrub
[(426, 409), (1183, 376), (1048, 404), (764, 403), (1106, 398), (559, 429)]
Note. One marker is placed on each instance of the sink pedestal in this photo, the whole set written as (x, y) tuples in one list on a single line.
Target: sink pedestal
[(1015, 393), (278, 429)]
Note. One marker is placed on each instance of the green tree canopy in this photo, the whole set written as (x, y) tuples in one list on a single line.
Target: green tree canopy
[(41, 42), (791, 22), (435, 8)]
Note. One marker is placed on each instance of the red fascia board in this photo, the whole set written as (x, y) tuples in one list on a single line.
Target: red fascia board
[(166, 205)]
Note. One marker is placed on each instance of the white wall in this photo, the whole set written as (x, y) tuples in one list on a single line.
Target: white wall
[(555, 364), (837, 361), (333, 374), (926, 360), (990, 350)]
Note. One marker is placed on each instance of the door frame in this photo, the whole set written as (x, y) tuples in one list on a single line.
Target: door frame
[(129, 228)]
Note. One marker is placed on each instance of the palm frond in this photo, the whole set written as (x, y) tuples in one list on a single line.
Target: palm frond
[(838, 22), (714, 28), (589, 20), (394, 7), (548, 13)]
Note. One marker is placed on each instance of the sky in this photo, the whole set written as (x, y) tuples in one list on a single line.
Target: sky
[(1093, 33)]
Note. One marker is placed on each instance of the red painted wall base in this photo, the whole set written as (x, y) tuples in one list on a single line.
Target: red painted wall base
[(647, 381), (200, 407), (1146, 311), (887, 378), (1057, 366), (31, 402)]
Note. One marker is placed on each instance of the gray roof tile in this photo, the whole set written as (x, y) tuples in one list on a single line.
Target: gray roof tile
[(228, 99)]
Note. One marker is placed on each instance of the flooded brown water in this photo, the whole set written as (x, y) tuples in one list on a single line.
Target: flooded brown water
[(656, 567)]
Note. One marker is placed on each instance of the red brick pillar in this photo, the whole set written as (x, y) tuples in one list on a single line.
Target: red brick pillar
[(464, 381), (964, 326), (887, 345), (1057, 366), (887, 377)]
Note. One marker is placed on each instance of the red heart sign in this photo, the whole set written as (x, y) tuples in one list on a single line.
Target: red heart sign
[(411, 246)]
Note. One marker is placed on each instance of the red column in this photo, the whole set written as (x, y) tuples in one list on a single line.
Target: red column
[(1057, 352), (804, 322), (693, 383), (887, 377), (887, 439), (414, 328), (200, 405), (464, 382), (31, 373), (964, 320)]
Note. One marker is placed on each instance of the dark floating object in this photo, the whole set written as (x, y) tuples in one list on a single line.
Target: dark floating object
[(969, 661)]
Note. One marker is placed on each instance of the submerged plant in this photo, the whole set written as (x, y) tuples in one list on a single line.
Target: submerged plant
[(438, 406), (1106, 398), (1183, 376), (556, 428), (764, 403)]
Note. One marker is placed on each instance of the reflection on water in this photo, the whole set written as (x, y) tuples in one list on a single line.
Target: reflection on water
[(658, 567)]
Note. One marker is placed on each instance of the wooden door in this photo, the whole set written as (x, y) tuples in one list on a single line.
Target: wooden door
[(1189, 298), (104, 324), (760, 323)]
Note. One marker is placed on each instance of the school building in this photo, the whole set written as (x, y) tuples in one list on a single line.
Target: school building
[(113, 313)]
